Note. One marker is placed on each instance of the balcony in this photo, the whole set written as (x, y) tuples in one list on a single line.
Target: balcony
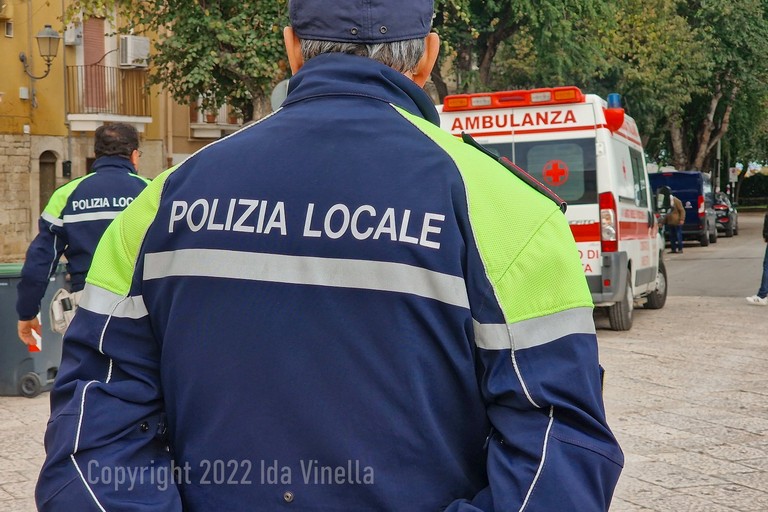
[(212, 125), (97, 94)]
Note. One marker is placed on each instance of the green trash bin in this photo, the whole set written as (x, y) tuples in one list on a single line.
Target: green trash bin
[(25, 373)]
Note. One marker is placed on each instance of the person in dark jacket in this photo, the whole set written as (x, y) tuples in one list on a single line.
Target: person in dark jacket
[(761, 298), (341, 307), (674, 220), (76, 216)]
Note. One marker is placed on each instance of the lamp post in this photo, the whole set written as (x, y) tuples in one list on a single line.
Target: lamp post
[(48, 45)]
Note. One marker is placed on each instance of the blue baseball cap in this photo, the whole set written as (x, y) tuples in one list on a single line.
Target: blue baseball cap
[(361, 21)]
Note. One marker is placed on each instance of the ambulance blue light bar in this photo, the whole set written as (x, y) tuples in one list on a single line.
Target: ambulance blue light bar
[(510, 99)]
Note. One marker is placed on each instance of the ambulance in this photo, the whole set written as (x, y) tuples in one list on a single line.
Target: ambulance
[(589, 153)]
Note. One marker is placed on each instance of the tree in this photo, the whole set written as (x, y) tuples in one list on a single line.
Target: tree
[(736, 35), (747, 137), (223, 51), (556, 38), (657, 62)]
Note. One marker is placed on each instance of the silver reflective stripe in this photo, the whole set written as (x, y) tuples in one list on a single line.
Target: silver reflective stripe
[(332, 272), (86, 217), (52, 219), (534, 332), (101, 301)]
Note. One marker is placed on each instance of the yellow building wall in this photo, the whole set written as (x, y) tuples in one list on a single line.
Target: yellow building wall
[(17, 35), (33, 124)]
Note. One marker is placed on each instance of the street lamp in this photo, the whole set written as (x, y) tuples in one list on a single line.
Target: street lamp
[(48, 44)]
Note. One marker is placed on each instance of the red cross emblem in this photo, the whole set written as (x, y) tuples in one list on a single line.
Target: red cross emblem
[(555, 173)]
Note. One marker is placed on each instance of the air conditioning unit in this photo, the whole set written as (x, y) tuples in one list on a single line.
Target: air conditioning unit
[(134, 51), (73, 35), (6, 9)]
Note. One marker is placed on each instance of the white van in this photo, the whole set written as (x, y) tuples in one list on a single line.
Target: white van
[(588, 153)]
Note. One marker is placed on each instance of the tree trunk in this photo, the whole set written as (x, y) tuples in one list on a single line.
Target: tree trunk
[(440, 86), (705, 132), (503, 33), (679, 154), (262, 106), (463, 68), (724, 123), (487, 60)]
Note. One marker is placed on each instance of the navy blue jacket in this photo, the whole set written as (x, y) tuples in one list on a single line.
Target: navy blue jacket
[(339, 308), (72, 224)]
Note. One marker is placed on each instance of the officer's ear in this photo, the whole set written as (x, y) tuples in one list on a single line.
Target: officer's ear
[(134, 158), (293, 49), (423, 69)]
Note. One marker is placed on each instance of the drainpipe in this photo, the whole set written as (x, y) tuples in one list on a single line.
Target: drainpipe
[(66, 89), (31, 53), (169, 129)]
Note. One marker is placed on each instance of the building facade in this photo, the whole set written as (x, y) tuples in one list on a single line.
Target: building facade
[(48, 114)]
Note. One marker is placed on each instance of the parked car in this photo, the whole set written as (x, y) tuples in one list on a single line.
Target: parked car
[(727, 215), (694, 189)]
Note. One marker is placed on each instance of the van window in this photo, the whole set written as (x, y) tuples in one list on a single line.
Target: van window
[(568, 167), (638, 173), (707, 187)]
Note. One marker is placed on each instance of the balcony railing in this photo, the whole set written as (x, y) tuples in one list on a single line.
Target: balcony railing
[(98, 89)]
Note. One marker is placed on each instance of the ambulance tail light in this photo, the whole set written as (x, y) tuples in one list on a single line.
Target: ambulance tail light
[(702, 207), (609, 232)]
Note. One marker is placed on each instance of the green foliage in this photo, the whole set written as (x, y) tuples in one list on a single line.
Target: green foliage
[(503, 44), (747, 139), (736, 39), (658, 63), (755, 186), (689, 62)]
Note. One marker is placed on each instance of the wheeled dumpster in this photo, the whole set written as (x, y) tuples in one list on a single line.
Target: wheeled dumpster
[(23, 372)]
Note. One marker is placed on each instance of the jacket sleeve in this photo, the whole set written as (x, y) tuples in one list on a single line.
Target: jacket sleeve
[(105, 442), (550, 448), (39, 265), (765, 227)]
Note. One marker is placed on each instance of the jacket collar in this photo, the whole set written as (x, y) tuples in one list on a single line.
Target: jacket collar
[(113, 163), (337, 74)]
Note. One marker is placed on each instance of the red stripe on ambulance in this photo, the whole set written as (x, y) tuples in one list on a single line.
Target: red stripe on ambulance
[(586, 232)]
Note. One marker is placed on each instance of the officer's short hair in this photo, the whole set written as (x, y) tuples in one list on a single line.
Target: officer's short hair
[(388, 31), (116, 139), (402, 56)]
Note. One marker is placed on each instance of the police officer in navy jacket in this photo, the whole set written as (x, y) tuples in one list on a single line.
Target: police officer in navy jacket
[(75, 218), (341, 307)]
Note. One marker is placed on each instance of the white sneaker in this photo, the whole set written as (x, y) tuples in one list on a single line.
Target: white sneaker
[(758, 301)]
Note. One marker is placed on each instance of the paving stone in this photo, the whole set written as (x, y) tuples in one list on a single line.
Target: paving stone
[(754, 480), (671, 476), (735, 496), (704, 463), (690, 411), (686, 503)]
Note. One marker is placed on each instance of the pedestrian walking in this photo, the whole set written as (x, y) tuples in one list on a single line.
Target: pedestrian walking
[(72, 223), (340, 307), (761, 298)]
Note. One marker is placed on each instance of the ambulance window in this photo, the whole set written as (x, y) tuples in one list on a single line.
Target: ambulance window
[(641, 186), (568, 167)]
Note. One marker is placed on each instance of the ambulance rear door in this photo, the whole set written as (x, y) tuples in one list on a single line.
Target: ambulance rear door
[(555, 144)]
